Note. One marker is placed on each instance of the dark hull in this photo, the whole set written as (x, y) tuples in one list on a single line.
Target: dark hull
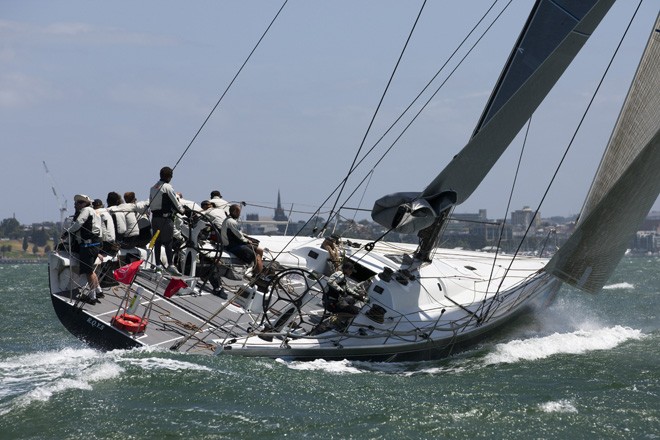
[(87, 328)]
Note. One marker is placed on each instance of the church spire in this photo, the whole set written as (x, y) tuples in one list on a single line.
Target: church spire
[(279, 212)]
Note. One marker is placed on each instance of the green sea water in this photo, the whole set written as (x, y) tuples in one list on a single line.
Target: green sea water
[(586, 368)]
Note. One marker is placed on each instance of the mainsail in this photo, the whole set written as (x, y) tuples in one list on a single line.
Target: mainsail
[(626, 185), (554, 33)]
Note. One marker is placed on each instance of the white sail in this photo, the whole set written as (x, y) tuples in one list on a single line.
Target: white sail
[(626, 185), (551, 38)]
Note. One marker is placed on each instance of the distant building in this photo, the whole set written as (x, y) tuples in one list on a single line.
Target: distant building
[(462, 223), (651, 223), (280, 216), (646, 242), (257, 225), (524, 217)]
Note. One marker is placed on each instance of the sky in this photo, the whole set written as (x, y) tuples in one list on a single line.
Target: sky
[(107, 93)]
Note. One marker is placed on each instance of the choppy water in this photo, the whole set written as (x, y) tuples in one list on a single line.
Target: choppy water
[(588, 367)]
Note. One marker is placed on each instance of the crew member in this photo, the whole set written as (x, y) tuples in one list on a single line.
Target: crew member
[(331, 244), (108, 246), (87, 231), (138, 227), (164, 206), (218, 202), (340, 298), (239, 244)]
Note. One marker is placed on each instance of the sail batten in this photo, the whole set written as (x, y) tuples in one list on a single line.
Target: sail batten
[(626, 185), (592, 253), (635, 126)]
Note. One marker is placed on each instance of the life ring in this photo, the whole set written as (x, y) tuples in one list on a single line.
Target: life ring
[(129, 323)]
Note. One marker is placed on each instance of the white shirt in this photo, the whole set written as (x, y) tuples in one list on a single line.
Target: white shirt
[(82, 217), (131, 214), (216, 216), (108, 225), (163, 189), (230, 225), (221, 203)]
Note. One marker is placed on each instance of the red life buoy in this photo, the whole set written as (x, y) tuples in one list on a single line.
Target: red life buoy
[(129, 323)]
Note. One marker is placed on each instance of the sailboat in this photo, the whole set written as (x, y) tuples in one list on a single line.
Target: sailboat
[(410, 302)]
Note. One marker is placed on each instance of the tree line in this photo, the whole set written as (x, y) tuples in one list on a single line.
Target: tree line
[(36, 235)]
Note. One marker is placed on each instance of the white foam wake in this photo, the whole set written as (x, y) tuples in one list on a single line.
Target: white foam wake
[(336, 367), (619, 286), (165, 364), (577, 342), (558, 406), (38, 376)]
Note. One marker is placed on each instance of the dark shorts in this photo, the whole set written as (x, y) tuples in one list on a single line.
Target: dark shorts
[(145, 234), (136, 241), (244, 252), (166, 227), (110, 248), (348, 309), (87, 256)]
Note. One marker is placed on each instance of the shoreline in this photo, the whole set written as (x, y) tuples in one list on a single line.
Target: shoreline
[(23, 260)]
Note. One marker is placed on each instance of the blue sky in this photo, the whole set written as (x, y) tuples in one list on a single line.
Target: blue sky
[(106, 93)]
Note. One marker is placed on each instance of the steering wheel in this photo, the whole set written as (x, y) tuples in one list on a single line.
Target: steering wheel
[(288, 292)]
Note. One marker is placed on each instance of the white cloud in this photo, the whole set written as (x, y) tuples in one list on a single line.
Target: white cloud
[(82, 33), (67, 29), (159, 97), (18, 90), (29, 77)]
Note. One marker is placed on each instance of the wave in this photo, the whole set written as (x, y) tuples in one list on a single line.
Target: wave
[(414, 368), (39, 376), (619, 286), (577, 342), (155, 363), (335, 367), (558, 406)]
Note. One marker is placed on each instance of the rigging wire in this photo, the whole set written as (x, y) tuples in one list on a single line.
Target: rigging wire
[(428, 84), (333, 213), (508, 204), (231, 83), (340, 185), (568, 147), (450, 75), (370, 175), (380, 102), (217, 104)]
